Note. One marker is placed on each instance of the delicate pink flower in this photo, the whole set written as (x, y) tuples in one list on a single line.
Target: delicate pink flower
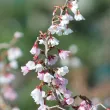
[(53, 29), (53, 41), (14, 53), (64, 22), (41, 41), (10, 76), (35, 50), (67, 31), (84, 106), (37, 95), (63, 54), (48, 77), (73, 48), (24, 69), (6, 78), (67, 94), (57, 29), (60, 29), (69, 101), (41, 75), (31, 65), (73, 6), (59, 81), (65, 19), (56, 81), (78, 16), (63, 81), (62, 89), (39, 68), (52, 59), (18, 34), (63, 70), (9, 93), (13, 64)]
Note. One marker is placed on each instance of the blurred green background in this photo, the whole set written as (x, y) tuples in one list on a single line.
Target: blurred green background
[(92, 37)]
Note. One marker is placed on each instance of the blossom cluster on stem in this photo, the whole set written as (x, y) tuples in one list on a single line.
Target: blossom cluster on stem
[(44, 59), (8, 61)]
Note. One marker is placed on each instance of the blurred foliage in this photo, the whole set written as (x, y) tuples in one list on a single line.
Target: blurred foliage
[(91, 36)]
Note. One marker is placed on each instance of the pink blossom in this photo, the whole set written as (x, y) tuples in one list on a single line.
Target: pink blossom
[(24, 69), (73, 48), (67, 31), (63, 81), (69, 101), (35, 50), (13, 64), (73, 6), (52, 59), (56, 82), (47, 77), (17, 53), (53, 29), (18, 34), (84, 106), (78, 16), (62, 71), (10, 76), (31, 65), (65, 19), (57, 29), (9, 93), (53, 41), (63, 54), (67, 94), (62, 89), (41, 75), (39, 67), (6, 78), (37, 95)]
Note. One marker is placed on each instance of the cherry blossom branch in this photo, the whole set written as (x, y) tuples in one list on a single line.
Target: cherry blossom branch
[(46, 61), (50, 76), (11, 53), (46, 51)]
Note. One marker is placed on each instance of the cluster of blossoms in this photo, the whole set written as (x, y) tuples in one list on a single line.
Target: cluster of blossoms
[(8, 61), (44, 59), (60, 22)]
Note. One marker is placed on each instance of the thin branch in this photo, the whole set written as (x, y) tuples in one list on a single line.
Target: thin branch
[(8, 45), (46, 51), (4, 45), (57, 106), (99, 105), (66, 2)]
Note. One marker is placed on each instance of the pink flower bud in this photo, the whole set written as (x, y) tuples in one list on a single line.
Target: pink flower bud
[(63, 54)]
